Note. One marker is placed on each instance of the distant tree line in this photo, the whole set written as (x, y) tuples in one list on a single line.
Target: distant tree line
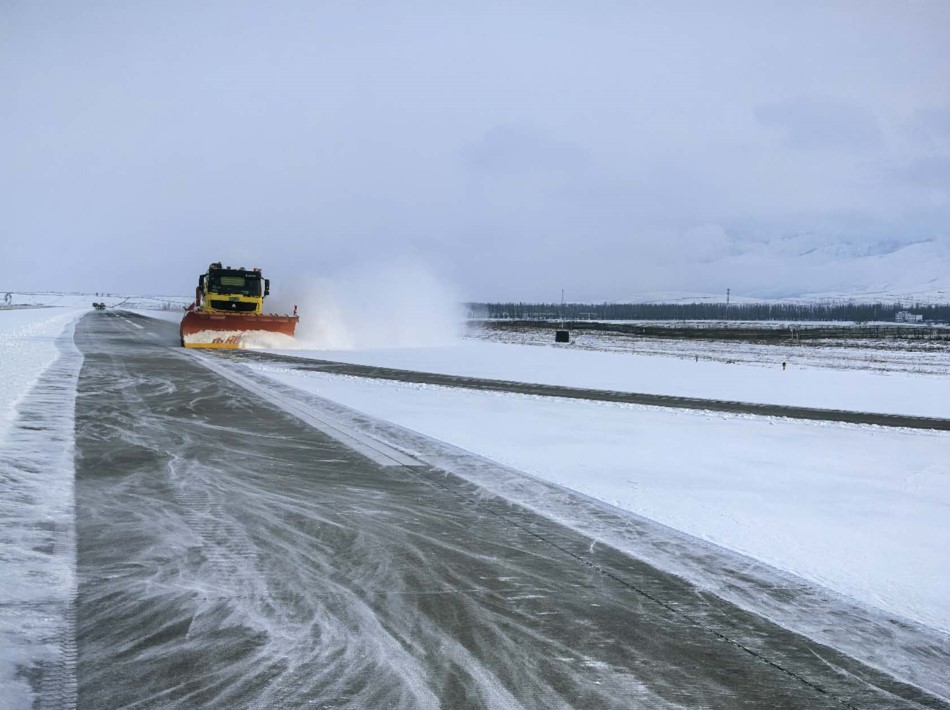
[(835, 311)]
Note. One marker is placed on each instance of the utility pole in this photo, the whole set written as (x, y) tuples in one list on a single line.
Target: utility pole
[(561, 335), (728, 290)]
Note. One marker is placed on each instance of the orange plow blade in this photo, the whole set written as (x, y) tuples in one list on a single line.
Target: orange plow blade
[(233, 330)]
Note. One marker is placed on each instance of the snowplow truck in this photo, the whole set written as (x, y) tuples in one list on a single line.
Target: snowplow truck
[(229, 304)]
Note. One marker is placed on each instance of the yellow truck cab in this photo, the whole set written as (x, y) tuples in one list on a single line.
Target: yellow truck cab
[(227, 290)]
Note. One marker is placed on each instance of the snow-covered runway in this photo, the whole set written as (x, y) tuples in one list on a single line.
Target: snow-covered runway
[(230, 554), (237, 533)]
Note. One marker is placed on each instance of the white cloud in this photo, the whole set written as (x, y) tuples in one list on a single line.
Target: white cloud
[(523, 148), (822, 123)]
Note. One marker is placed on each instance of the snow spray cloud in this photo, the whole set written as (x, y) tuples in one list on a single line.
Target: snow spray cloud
[(400, 304)]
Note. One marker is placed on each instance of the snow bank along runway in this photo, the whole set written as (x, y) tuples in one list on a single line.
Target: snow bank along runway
[(37, 535), (232, 553), (599, 395)]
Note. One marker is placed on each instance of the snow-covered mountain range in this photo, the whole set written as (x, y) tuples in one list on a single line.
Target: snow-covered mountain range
[(811, 267)]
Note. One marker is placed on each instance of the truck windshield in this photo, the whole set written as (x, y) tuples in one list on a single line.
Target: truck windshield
[(244, 284)]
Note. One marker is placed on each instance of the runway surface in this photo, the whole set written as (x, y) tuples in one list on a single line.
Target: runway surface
[(233, 553)]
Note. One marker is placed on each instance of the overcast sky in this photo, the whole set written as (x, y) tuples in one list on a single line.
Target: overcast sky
[(513, 148)]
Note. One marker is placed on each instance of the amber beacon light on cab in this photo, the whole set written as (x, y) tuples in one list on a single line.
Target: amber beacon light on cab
[(229, 305)]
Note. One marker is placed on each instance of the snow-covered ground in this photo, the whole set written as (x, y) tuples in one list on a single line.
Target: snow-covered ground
[(880, 356), (27, 349), (85, 300), (39, 367), (760, 381)]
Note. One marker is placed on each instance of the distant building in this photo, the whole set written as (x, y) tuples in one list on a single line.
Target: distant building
[(908, 317)]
